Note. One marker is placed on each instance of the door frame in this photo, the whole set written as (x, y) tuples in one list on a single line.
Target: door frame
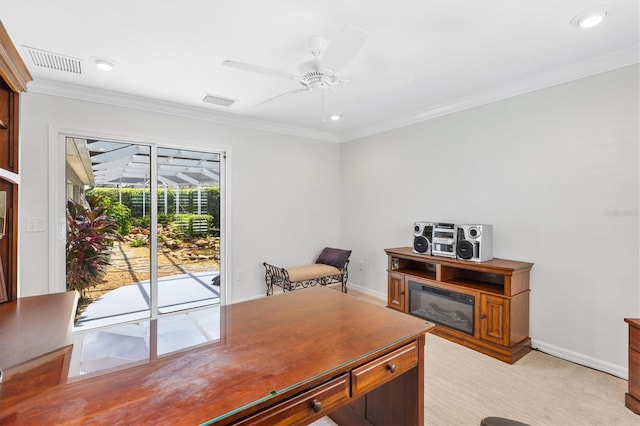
[(57, 205)]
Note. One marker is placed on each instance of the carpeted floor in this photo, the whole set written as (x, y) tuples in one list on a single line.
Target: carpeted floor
[(463, 386)]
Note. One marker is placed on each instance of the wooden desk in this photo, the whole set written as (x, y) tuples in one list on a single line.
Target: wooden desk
[(291, 359)]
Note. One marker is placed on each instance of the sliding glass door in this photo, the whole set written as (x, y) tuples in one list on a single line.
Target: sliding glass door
[(152, 216)]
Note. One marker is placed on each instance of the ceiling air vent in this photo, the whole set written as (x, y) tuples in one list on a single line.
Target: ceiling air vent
[(219, 100), (54, 61)]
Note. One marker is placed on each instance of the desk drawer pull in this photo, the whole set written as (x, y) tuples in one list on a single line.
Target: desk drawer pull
[(316, 406), (391, 367)]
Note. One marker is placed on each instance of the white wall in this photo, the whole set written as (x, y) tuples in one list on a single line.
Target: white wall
[(284, 190), (555, 171)]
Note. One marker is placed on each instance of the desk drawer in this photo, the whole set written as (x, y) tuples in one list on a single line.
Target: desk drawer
[(383, 369), (306, 407)]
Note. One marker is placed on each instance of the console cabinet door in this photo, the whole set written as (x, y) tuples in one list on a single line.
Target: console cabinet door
[(493, 319), (397, 293)]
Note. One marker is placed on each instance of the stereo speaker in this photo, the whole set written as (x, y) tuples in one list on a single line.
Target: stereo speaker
[(474, 242), (422, 237)]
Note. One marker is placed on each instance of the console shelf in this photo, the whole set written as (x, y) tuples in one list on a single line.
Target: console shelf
[(498, 323)]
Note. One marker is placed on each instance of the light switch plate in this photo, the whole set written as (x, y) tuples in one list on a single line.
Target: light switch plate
[(35, 224)]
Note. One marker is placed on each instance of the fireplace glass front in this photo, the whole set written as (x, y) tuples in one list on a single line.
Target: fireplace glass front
[(449, 308)]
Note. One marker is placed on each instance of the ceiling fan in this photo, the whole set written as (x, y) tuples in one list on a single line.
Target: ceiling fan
[(321, 72)]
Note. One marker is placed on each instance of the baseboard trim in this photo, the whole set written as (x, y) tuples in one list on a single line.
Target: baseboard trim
[(367, 291), (578, 358)]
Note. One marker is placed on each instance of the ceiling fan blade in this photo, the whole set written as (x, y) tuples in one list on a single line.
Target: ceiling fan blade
[(284, 95), (343, 48), (259, 69)]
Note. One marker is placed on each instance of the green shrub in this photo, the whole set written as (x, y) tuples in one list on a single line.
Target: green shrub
[(122, 215), (90, 236), (137, 243), (165, 218), (142, 222), (192, 225), (138, 200)]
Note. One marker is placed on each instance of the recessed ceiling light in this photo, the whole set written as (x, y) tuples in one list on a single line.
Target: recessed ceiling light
[(104, 64), (589, 19), (335, 117)]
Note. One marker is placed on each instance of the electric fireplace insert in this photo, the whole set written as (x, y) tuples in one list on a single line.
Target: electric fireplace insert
[(448, 308)]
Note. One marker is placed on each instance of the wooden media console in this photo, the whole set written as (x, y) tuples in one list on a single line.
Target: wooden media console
[(481, 305)]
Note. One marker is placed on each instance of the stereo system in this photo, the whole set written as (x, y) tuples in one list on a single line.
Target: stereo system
[(474, 242), (444, 240), (466, 242), (422, 237)]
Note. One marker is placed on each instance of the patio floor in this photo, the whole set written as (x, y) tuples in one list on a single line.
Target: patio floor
[(132, 302)]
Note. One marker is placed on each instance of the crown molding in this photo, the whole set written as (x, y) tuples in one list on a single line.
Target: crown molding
[(609, 62), (13, 71), (65, 90)]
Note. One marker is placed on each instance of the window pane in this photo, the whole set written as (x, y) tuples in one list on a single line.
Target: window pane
[(112, 177), (188, 229)]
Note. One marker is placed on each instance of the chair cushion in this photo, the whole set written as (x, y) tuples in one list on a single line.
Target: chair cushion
[(310, 272), (334, 257)]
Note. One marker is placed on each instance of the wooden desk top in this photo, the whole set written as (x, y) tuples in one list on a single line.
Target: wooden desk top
[(34, 326), (267, 349)]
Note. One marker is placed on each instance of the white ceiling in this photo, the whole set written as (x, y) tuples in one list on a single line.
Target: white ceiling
[(442, 55)]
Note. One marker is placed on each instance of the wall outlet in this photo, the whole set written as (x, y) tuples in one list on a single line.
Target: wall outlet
[(240, 275), (361, 265)]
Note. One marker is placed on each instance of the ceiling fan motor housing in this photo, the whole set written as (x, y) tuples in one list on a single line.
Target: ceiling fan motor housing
[(312, 77)]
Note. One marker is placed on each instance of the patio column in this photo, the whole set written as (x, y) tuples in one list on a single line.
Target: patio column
[(177, 199), (199, 200), (166, 198)]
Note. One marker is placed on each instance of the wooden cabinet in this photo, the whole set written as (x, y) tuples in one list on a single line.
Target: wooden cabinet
[(9, 109), (482, 305), (632, 398), (397, 292), (14, 78), (493, 317)]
